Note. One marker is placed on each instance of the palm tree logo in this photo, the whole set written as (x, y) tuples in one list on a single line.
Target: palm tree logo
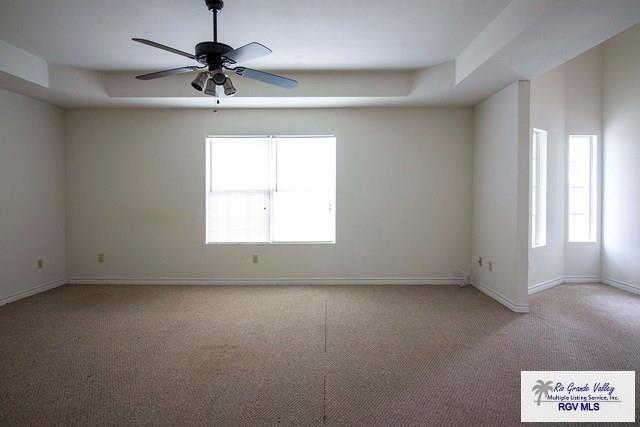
[(542, 388)]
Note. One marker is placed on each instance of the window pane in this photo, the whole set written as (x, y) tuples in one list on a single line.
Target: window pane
[(579, 228), (539, 188), (579, 175), (580, 149), (305, 163), (238, 216), (237, 208), (239, 164), (534, 231), (582, 193), (302, 216), (578, 201), (534, 201), (304, 200)]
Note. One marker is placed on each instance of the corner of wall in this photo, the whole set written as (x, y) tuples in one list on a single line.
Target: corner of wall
[(501, 196)]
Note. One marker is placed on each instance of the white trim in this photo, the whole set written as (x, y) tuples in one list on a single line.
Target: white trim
[(625, 286), (582, 279), (539, 287), (542, 286), (29, 292), (265, 281), (511, 305)]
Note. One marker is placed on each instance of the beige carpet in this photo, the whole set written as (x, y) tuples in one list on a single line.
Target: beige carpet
[(116, 355)]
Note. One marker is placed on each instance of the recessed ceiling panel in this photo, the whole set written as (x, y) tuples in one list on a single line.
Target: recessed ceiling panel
[(304, 34)]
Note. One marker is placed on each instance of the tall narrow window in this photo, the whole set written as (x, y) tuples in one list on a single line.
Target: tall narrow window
[(539, 188), (583, 188), (271, 190)]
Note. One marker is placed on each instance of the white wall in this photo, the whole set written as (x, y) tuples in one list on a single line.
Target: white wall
[(32, 206), (583, 115), (500, 195), (136, 194), (548, 113), (566, 101), (621, 248)]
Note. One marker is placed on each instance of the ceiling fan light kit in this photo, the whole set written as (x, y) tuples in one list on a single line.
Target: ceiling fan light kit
[(229, 88), (218, 57), (200, 81), (211, 88)]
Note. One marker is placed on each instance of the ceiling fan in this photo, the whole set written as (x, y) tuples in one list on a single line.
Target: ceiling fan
[(217, 57)]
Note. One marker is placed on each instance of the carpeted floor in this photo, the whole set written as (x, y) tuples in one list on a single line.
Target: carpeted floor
[(120, 355)]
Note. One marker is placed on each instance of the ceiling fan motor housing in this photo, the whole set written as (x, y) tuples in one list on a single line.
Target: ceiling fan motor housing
[(211, 53), (215, 4)]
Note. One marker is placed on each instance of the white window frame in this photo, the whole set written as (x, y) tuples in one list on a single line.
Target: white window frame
[(538, 192), (594, 190), (272, 188)]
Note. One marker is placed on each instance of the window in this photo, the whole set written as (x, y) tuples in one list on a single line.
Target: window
[(583, 188), (271, 189), (539, 188)]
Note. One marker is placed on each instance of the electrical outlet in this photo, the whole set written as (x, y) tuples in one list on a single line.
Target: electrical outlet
[(490, 265), (480, 261), (255, 259), (101, 258), (40, 264)]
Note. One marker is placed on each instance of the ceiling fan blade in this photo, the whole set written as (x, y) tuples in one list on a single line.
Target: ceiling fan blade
[(264, 77), (165, 73), (248, 52), (163, 47)]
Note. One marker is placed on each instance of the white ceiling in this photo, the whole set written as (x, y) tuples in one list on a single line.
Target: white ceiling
[(78, 53), (304, 34)]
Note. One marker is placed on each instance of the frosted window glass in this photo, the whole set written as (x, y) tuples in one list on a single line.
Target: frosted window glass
[(271, 189), (539, 188), (582, 188)]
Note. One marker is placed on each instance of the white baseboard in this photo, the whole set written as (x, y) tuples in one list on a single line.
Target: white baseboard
[(622, 285), (29, 292), (582, 279), (511, 305), (264, 281), (518, 308), (629, 287), (543, 286)]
